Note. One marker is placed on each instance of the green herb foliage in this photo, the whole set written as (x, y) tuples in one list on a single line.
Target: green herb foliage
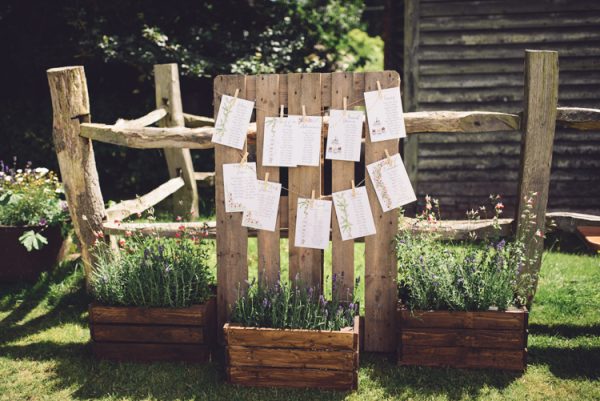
[(152, 271), (475, 276), (293, 306)]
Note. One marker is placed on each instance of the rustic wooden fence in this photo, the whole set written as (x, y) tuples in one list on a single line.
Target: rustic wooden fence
[(317, 93)]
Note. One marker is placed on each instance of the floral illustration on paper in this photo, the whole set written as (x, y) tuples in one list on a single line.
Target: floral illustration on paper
[(250, 219), (304, 205), (342, 206), (231, 204), (380, 184), (227, 109)]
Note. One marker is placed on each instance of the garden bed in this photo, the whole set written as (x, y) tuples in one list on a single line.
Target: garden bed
[(153, 334), (488, 339), (293, 358), (20, 264)]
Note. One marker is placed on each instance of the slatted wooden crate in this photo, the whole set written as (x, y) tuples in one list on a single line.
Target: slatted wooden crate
[(488, 339), (153, 334), (293, 358)]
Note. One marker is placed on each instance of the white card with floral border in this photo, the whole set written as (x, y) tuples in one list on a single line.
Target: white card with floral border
[(391, 183), (353, 213), (308, 133), (280, 144), (232, 122), (313, 223), (239, 183), (344, 135), (261, 212), (384, 114)]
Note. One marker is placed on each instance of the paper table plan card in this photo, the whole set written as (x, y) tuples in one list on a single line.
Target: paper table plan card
[(239, 183), (353, 213), (232, 123), (280, 145), (261, 212), (344, 135), (308, 136), (384, 114), (313, 222), (392, 186)]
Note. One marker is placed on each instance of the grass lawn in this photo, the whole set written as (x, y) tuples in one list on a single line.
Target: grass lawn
[(44, 352)]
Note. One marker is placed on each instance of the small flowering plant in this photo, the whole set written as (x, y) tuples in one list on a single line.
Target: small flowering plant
[(470, 276), (153, 271), (31, 197), (293, 306)]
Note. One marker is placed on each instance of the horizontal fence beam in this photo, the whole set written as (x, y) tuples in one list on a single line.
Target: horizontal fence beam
[(126, 208), (153, 117), (194, 121), (149, 137), (208, 177), (578, 118), (459, 229)]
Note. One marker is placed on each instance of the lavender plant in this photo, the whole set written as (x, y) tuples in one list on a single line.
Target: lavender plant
[(152, 271), (293, 306), (31, 197), (473, 276)]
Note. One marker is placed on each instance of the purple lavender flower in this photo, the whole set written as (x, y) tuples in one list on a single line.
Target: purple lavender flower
[(265, 303), (43, 222), (64, 206), (310, 292), (500, 245), (351, 306), (322, 300)]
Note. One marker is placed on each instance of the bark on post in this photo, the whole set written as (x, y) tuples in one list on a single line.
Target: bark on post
[(71, 106), (538, 125), (179, 161)]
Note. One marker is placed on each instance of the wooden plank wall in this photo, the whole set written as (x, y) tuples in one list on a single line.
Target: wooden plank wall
[(470, 56), (317, 92)]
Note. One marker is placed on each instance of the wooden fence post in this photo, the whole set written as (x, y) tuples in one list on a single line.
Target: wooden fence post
[(538, 125), (179, 161), (71, 106)]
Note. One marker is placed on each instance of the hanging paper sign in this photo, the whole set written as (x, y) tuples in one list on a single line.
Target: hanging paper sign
[(261, 212), (344, 135), (384, 114), (391, 183), (353, 213), (280, 145), (232, 122), (308, 132), (313, 222), (239, 183)]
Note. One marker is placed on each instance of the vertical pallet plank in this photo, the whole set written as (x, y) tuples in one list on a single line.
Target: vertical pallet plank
[(380, 264), (267, 105), (539, 121), (304, 89), (342, 172), (70, 107), (179, 161), (232, 237)]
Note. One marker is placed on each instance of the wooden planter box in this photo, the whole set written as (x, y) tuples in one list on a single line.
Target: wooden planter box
[(20, 265), (293, 358), (489, 339), (153, 334)]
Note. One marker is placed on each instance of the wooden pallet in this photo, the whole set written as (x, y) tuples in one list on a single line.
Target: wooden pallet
[(153, 334), (591, 236), (266, 357), (489, 339)]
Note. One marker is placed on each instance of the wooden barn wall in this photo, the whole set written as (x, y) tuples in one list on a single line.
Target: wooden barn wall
[(470, 56)]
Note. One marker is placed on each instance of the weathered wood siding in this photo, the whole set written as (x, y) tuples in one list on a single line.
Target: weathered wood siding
[(470, 56)]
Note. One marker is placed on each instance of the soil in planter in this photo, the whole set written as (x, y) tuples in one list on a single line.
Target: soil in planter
[(154, 334), (293, 358), (489, 339), (17, 264)]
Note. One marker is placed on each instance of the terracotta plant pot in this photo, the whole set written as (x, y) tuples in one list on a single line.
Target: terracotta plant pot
[(487, 339), (17, 264), (267, 357), (139, 334)]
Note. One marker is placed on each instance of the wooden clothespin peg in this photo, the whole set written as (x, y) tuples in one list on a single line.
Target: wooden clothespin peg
[(379, 88), (244, 158), (345, 101), (235, 95), (353, 188), (387, 155), (281, 111), (266, 180), (303, 113)]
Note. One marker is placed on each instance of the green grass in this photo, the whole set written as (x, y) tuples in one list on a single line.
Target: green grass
[(45, 354)]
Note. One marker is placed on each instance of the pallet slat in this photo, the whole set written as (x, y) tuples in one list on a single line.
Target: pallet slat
[(299, 378), (146, 333), (125, 352), (290, 358), (505, 320), (192, 316), (501, 339)]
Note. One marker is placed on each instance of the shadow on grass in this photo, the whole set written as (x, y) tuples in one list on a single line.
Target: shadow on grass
[(405, 382), (568, 363), (564, 330)]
